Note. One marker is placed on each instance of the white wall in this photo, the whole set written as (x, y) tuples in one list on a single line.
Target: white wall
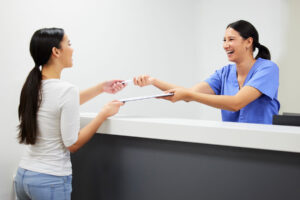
[(176, 40), (129, 38), (288, 60)]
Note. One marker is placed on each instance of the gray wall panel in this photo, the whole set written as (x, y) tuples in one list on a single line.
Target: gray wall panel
[(126, 168)]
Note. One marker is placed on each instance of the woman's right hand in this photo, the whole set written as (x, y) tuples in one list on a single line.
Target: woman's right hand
[(143, 80), (111, 108), (113, 86)]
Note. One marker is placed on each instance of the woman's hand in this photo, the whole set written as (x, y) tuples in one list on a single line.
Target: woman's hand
[(178, 94), (87, 132), (113, 86), (143, 80), (111, 108)]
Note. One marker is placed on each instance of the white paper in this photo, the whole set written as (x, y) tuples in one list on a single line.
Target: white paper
[(146, 97)]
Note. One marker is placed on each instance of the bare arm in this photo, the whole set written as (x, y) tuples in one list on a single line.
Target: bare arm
[(107, 86), (87, 94), (87, 132), (145, 80), (233, 103), (203, 87)]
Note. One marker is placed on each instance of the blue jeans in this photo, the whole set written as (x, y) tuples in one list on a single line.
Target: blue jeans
[(31, 185)]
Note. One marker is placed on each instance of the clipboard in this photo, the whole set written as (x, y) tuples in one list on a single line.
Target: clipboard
[(146, 97)]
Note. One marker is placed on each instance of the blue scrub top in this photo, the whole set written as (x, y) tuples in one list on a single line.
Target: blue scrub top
[(264, 76)]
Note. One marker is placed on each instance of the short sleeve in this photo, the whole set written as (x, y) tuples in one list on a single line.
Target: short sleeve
[(70, 117), (215, 81), (266, 80)]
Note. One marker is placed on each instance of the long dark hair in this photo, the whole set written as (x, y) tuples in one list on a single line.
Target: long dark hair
[(41, 45), (246, 30)]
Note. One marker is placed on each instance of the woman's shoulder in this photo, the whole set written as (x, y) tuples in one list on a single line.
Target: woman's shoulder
[(67, 84), (68, 88), (57, 83), (264, 66), (265, 63), (60, 87), (227, 69)]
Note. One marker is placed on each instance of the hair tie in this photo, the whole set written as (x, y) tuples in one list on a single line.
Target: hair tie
[(258, 45), (38, 68)]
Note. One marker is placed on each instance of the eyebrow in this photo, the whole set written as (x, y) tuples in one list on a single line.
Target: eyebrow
[(231, 36)]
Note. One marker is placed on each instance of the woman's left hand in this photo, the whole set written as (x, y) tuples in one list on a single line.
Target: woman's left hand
[(113, 86), (178, 94)]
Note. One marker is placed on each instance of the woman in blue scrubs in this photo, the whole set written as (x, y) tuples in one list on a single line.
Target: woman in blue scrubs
[(245, 91)]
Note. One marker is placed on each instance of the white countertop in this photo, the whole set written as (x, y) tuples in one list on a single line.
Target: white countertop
[(257, 136)]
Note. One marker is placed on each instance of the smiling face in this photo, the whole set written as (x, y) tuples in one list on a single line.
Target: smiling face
[(235, 46)]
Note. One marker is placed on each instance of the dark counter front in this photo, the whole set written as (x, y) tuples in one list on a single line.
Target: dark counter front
[(113, 167)]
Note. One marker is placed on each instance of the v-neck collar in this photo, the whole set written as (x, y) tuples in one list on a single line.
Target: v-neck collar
[(254, 66)]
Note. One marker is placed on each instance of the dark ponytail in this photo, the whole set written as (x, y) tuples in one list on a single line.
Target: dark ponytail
[(41, 45), (263, 52), (30, 100), (246, 30)]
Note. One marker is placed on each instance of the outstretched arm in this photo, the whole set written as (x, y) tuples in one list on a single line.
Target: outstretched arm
[(233, 103), (145, 80), (87, 132), (202, 87), (108, 86)]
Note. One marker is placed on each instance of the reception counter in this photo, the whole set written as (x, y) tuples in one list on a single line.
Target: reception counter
[(170, 158)]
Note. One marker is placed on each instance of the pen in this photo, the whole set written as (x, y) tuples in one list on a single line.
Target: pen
[(127, 81)]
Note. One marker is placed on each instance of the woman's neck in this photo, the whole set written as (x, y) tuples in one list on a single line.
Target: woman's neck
[(51, 72), (244, 66)]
